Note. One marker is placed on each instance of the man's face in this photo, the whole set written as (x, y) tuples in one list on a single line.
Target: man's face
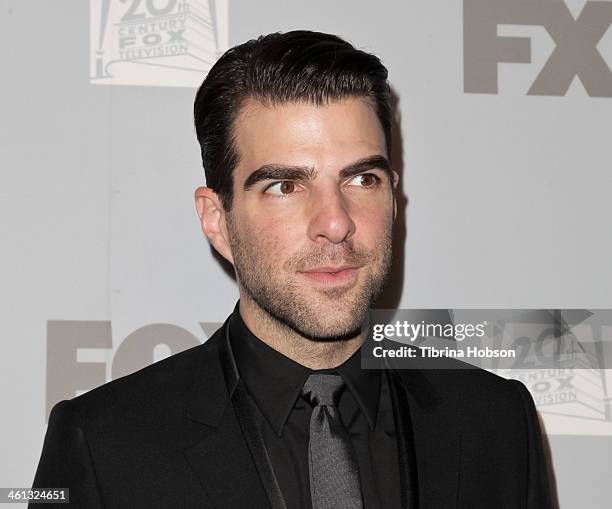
[(311, 222)]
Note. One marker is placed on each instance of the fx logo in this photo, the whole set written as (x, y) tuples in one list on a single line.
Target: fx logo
[(575, 39)]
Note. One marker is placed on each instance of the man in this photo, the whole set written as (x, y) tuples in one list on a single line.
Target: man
[(274, 409)]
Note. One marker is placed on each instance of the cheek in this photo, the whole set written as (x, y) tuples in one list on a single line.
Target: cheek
[(274, 239), (373, 221)]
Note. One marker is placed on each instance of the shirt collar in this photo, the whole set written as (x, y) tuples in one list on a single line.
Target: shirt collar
[(275, 381)]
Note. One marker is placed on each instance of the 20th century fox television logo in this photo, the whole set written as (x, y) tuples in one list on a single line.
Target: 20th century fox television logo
[(155, 42)]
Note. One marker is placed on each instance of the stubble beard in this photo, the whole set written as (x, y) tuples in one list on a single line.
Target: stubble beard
[(327, 315)]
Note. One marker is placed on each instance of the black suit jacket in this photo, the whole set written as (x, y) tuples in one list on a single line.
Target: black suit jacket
[(170, 436)]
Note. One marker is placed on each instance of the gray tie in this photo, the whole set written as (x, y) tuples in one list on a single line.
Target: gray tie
[(334, 474)]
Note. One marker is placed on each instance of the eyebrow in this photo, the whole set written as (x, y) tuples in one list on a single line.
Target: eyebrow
[(303, 173)]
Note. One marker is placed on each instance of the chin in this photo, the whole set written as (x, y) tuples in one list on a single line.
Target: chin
[(333, 329), (330, 335)]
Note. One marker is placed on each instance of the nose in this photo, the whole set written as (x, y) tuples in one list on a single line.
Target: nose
[(330, 218)]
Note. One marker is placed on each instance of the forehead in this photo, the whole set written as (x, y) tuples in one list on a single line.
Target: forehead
[(329, 135)]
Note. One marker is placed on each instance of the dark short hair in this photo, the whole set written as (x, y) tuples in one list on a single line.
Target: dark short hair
[(277, 68)]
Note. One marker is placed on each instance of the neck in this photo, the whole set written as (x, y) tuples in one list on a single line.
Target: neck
[(304, 351)]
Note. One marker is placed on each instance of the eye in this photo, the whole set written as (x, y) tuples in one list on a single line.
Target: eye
[(366, 179), (284, 187)]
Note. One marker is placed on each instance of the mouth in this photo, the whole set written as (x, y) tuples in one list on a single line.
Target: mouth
[(332, 275)]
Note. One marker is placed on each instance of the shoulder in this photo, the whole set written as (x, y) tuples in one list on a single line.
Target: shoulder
[(473, 391), (481, 396), (160, 389)]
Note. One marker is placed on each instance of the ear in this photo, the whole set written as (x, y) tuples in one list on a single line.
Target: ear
[(394, 184), (212, 219)]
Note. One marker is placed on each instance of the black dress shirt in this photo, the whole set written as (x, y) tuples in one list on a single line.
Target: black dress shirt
[(275, 382)]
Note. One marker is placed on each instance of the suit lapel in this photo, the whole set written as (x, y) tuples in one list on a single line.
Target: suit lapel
[(221, 458), (435, 444), (223, 464), (409, 487)]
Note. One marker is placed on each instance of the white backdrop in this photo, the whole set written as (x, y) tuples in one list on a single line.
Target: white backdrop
[(103, 265)]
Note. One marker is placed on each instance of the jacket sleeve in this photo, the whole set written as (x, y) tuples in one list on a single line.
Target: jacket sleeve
[(539, 495), (66, 462)]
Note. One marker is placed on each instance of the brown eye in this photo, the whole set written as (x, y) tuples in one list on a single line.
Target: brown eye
[(367, 179), (281, 188)]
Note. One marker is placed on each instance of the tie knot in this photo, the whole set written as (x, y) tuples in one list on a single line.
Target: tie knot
[(323, 389)]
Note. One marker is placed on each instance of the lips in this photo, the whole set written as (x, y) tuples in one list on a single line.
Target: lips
[(332, 269), (332, 275)]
